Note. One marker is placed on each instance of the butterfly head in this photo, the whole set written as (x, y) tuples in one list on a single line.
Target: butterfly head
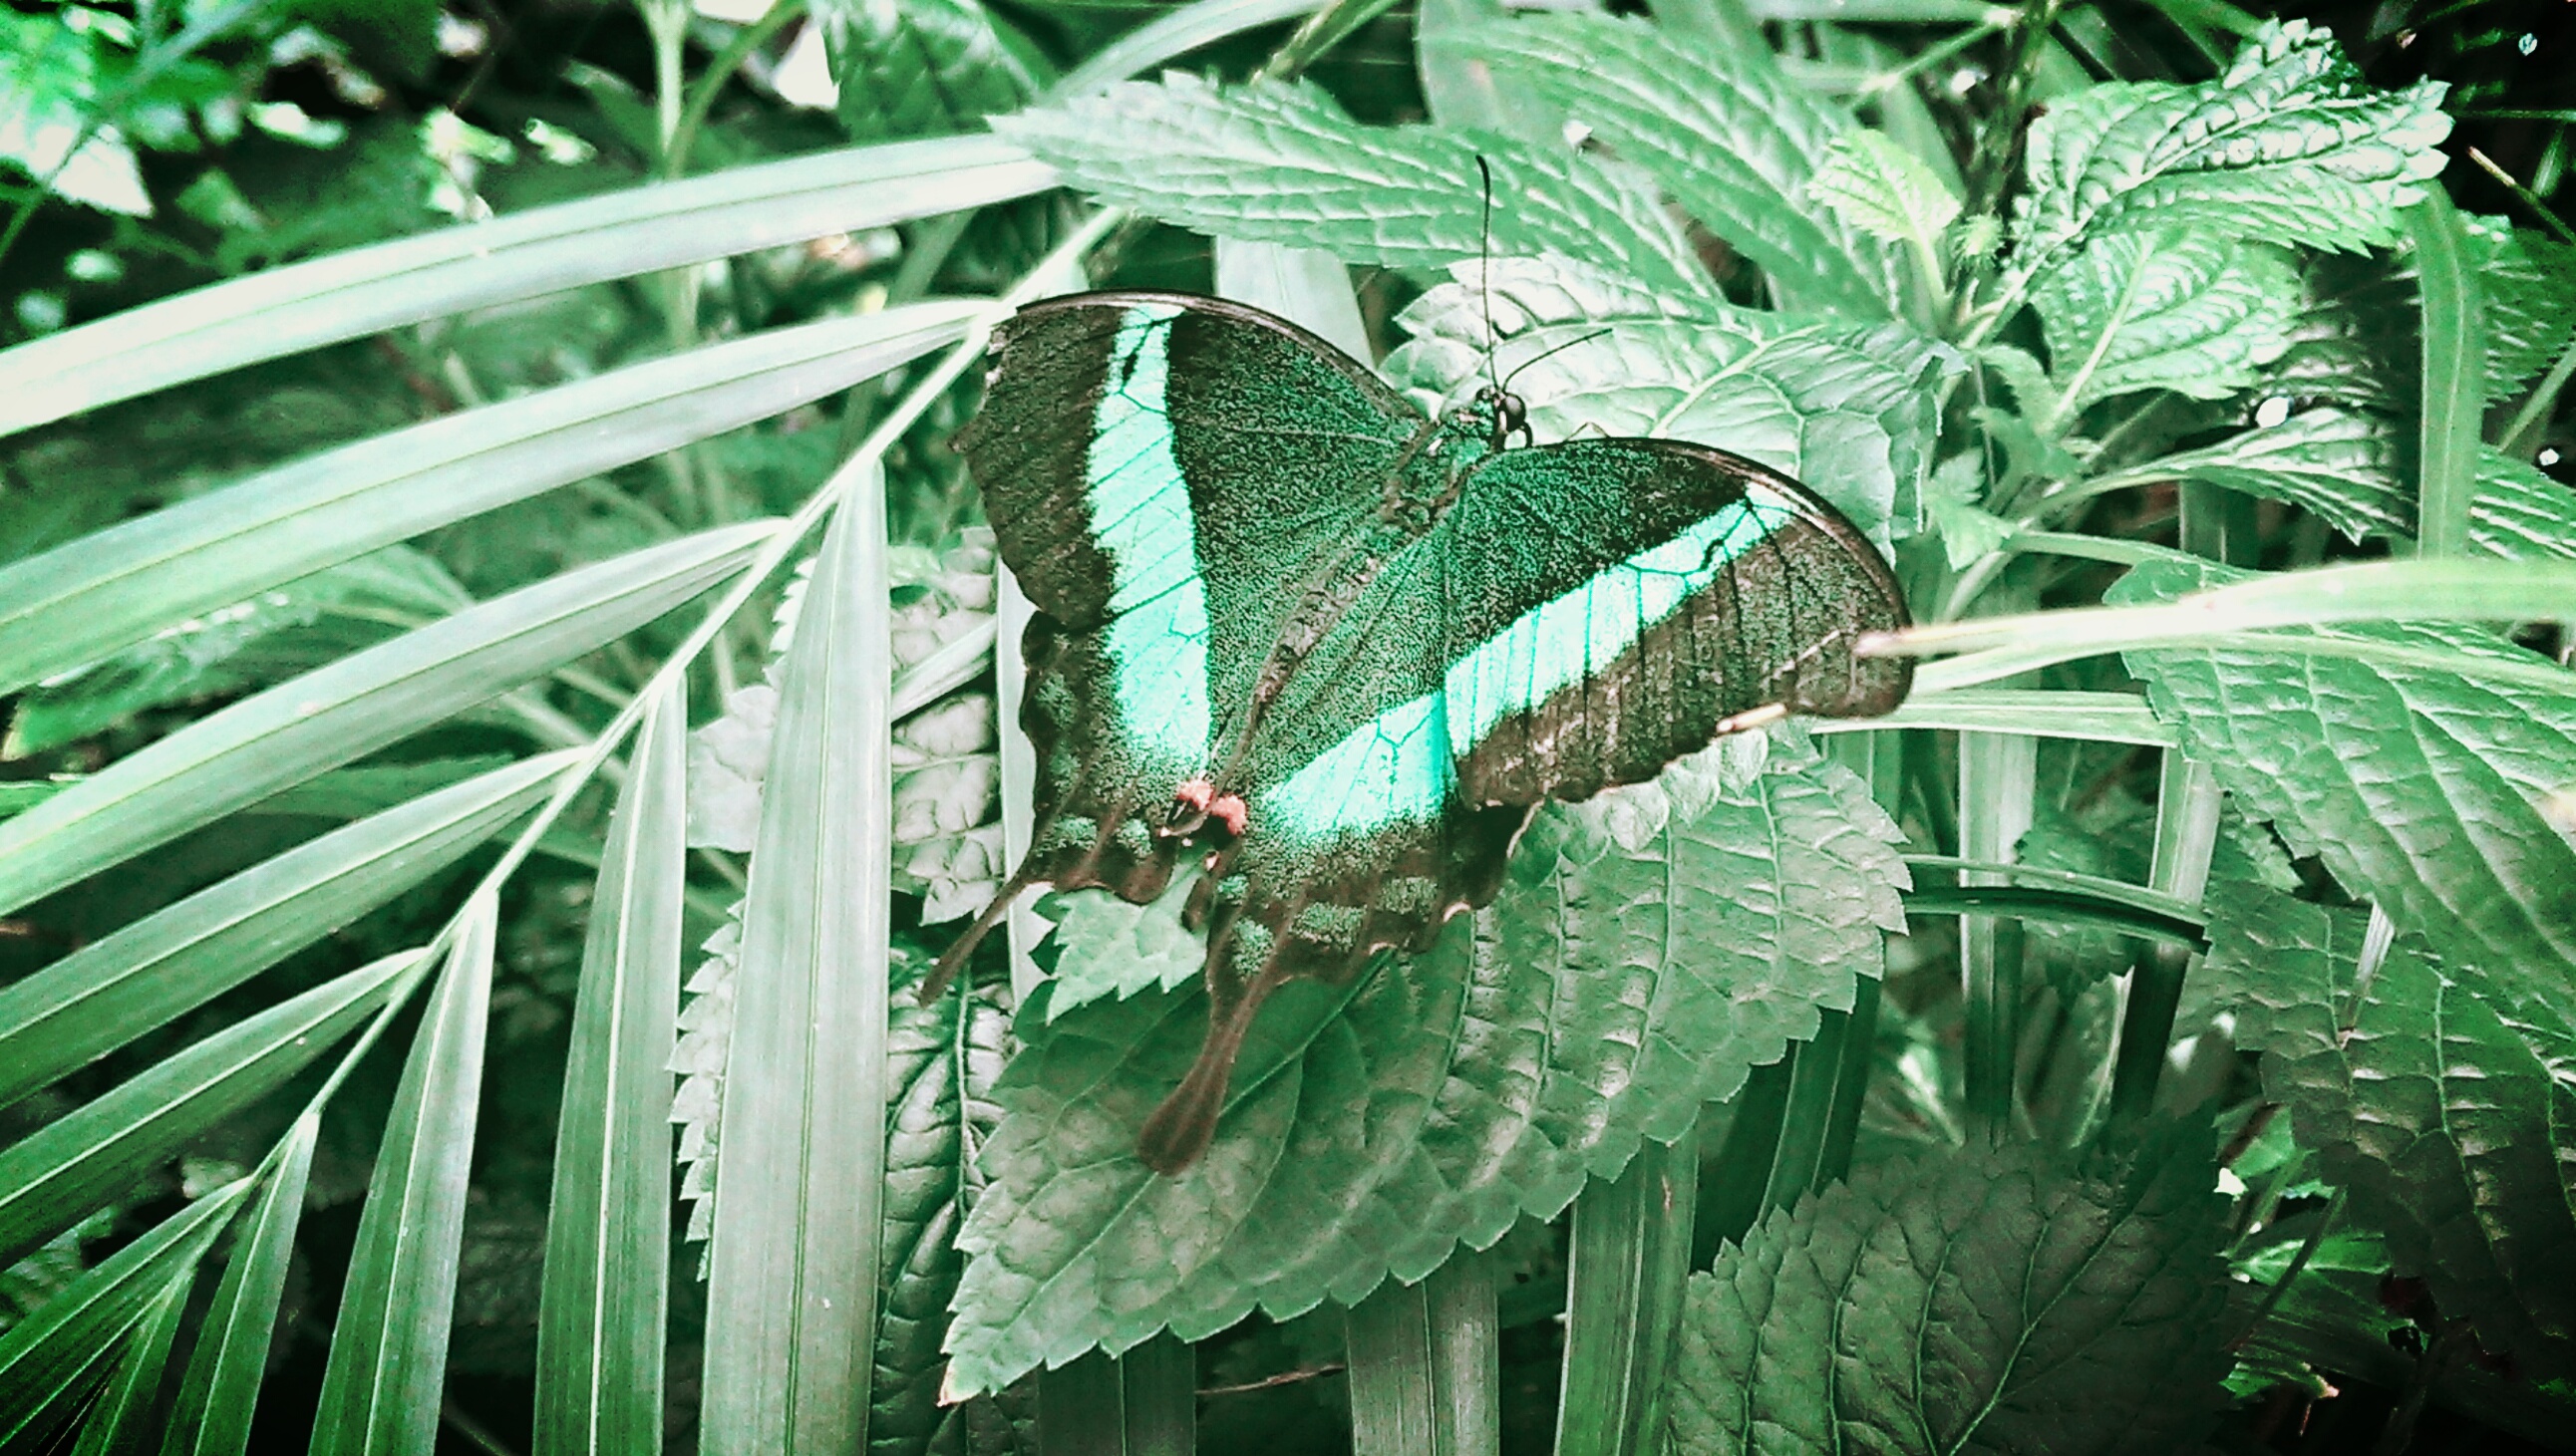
[(1482, 426)]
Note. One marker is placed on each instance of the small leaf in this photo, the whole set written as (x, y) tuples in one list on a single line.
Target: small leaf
[(792, 1266), (2290, 146), (1106, 947), (915, 68), (1730, 137), (2191, 311), (1281, 163), (388, 1364), (79, 1161), (220, 1392), (606, 1291), (1968, 531), (353, 707), (2438, 1097), (1883, 190), (1968, 1301)]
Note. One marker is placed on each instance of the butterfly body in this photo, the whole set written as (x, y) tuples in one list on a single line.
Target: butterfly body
[(1335, 651)]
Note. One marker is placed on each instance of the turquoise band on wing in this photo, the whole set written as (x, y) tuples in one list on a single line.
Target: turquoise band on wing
[(1140, 516)]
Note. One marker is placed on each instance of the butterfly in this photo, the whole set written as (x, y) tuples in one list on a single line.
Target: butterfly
[(1336, 650)]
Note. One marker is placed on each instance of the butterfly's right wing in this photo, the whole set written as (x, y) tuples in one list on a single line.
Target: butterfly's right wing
[(1173, 481)]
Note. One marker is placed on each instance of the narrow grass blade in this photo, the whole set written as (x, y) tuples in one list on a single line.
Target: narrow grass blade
[(1143, 1403), (220, 1392), (2094, 717), (2095, 887), (1996, 772), (2187, 808), (388, 1364), (354, 706), (792, 1281), (86, 598), (1735, 1187), (2454, 365), (52, 1178), (110, 991), (1173, 35), (616, 235), (125, 1409), (1625, 1273), (608, 1234), (1425, 1372), (52, 1357)]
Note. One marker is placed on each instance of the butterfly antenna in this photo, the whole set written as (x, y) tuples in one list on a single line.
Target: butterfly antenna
[(1506, 384), (1485, 270)]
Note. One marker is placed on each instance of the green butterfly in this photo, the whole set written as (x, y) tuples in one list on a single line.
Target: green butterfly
[(1338, 651)]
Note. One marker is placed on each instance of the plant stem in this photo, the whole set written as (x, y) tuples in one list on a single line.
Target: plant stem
[(1629, 1260), (1425, 1365), (1144, 1403)]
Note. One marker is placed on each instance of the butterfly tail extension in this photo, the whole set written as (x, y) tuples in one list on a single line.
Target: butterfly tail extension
[(1178, 1133), (954, 959)]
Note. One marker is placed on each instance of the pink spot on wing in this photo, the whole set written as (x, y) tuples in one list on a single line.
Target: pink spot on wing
[(1231, 809)]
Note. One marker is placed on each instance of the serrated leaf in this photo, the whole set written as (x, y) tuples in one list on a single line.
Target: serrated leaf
[(353, 707), (2438, 1096), (52, 1177), (1970, 1301), (2290, 146), (939, 1115), (792, 1266), (1282, 163), (914, 68), (2520, 514), (48, 1359), (218, 1395), (387, 1371), (1729, 137), (1105, 947), (1967, 530), (2528, 279), (704, 1046), (2341, 464), (1883, 190), (606, 1287), (1847, 409), (1375, 1127), (146, 974), (2421, 790), (2188, 310)]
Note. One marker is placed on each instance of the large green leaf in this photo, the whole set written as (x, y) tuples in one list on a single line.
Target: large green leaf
[(79, 1161), (1970, 1301), (606, 1290), (1724, 132), (2438, 1093), (89, 597), (914, 68), (50, 1360), (220, 1391), (792, 1265), (2188, 310), (2289, 146), (1847, 408), (2422, 790), (114, 989), (638, 230), (941, 1063), (357, 705), (1282, 163), (387, 1370), (1654, 945)]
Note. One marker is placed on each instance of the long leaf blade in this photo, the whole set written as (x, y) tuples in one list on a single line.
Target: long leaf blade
[(88, 597), (792, 1286), (48, 1355), (112, 990), (352, 707), (608, 1234), (117, 1422), (56, 1175), (366, 290), (388, 1365), (220, 1390)]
